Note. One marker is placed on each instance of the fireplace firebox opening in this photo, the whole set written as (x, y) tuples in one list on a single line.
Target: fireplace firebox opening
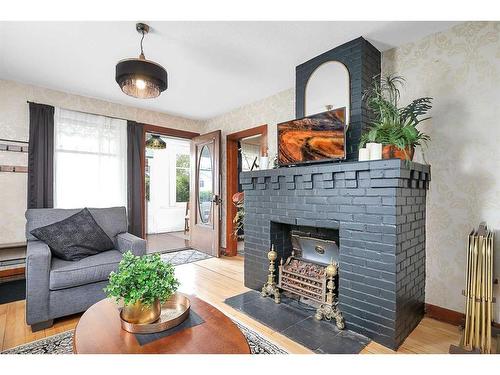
[(308, 260)]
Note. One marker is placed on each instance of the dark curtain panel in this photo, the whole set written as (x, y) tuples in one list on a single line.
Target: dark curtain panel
[(41, 156), (135, 142)]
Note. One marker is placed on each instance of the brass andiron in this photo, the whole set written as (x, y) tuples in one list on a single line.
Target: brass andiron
[(270, 288), (329, 310)]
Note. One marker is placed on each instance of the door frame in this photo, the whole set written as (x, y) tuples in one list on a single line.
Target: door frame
[(232, 178), (167, 132)]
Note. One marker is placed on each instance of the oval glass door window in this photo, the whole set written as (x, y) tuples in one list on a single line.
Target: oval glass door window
[(205, 185)]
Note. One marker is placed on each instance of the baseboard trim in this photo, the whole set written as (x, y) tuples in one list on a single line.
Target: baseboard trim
[(445, 315), (12, 272), (448, 316)]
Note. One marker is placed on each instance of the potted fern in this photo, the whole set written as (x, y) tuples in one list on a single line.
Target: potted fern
[(142, 284), (393, 126)]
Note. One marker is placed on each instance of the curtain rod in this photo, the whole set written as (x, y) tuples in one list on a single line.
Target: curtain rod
[(88, 113)]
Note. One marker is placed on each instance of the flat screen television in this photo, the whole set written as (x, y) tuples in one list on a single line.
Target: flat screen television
[(315, 138)]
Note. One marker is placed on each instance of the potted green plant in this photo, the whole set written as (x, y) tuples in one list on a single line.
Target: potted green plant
[(393, 126), (142, 283)]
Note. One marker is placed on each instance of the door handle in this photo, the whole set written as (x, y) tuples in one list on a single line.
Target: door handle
[(216, 199)]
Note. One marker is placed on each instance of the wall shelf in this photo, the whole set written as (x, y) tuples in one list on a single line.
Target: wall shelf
[(13, 147)]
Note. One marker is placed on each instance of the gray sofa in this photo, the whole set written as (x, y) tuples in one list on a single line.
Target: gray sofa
[(56, 287)]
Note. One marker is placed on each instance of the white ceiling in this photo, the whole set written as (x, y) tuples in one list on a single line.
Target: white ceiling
[(213, 67)]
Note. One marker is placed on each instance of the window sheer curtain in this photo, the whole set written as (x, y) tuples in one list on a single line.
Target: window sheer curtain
[(90, 160)]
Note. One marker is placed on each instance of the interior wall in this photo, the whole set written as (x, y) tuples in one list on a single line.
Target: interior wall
[(460, 69), (271, 111), (14, 123)]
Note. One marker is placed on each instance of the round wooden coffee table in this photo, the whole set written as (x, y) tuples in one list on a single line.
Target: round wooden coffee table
[(99, 331)]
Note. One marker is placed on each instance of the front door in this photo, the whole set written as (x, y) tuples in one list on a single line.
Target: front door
[(205, 201)]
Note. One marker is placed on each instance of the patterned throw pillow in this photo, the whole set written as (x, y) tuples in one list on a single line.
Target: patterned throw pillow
[(75, 237)]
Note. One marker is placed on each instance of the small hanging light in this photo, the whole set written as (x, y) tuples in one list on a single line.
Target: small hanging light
[(139, 77), (156, 143)]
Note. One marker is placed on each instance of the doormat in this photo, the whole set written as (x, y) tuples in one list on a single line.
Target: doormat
[(296, 321), (180, 257), (12, 291)]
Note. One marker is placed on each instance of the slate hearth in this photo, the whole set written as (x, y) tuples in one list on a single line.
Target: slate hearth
[(378, 208), (297, 323)]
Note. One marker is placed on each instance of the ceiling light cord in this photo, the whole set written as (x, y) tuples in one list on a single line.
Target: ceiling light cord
[(142, 39)]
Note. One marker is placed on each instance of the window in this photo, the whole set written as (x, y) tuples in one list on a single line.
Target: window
[(182, 178), (90, 160)]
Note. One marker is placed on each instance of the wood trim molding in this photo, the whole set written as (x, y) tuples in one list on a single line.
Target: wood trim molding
[(232, 178), (448, 316), (12, 272), (445, 315), (168, 132)]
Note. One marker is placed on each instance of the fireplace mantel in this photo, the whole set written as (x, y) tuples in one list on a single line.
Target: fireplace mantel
[(378, 208)]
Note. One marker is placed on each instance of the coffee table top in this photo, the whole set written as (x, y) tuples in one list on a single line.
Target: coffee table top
[(99, 331)]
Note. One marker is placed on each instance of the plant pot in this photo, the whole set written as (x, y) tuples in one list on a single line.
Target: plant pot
[(392, 152), (138, 313)]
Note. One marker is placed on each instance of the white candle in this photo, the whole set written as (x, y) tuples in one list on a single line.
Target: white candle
[(364, 154), (375, 150)]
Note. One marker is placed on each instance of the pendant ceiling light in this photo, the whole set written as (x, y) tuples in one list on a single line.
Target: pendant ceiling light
[(139, 77), (156, 143)]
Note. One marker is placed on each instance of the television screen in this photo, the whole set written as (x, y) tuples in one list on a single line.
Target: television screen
[(314, 138)]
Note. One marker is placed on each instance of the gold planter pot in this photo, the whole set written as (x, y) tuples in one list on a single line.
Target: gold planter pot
[(138, 313)]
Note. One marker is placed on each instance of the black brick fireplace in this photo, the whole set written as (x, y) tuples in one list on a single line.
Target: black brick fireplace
[(378, 208)]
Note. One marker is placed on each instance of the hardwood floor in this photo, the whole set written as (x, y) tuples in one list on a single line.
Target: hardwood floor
[(214, 280)]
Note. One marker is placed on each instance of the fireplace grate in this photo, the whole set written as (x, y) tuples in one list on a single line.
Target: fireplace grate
[(310, 273)]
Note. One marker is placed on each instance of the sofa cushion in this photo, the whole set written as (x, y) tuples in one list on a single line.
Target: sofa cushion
[(67, 274), (112, 220), (75, 237)]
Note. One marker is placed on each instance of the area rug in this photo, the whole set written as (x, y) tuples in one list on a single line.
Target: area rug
[(63, 344), (180, 257)]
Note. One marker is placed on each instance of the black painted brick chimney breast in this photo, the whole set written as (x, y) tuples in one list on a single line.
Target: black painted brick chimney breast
[(363, 61), (379, 209)]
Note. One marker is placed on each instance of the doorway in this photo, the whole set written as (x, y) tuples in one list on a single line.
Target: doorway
[(166, 160), (167, 192), (243, 152)]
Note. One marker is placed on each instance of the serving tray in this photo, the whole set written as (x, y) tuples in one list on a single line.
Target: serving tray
[(173, 312)]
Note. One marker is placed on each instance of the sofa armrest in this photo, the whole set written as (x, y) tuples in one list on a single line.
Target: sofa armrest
[(126, 241), (38, 261)]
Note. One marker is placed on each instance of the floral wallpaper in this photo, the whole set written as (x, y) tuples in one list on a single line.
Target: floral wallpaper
[(460, 69), (14, 120), (272, 110)]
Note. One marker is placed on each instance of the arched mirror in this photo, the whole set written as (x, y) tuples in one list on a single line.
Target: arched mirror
[(205, 185), (328, 85)]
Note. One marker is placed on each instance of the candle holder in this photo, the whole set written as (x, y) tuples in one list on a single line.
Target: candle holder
[(329, 309), (270, 288)]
